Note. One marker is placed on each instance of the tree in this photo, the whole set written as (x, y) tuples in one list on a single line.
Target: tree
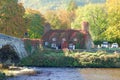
[(35, 23), (64, 18), (112, 34), (11, 18), (96, 15), (52, 18), (113, 31), (72, 6)]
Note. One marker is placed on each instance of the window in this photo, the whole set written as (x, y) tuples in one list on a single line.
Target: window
[(53, 39), (63, 39), (53, 45), (70, 46), (46, 43), (75, 39)]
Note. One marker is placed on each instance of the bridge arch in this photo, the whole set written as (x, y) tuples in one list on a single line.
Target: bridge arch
[(16, 43), (8, 54)]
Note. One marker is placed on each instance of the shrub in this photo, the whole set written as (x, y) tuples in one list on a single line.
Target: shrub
[(53, 58), (49, 59), (2, 76), (28, 45)]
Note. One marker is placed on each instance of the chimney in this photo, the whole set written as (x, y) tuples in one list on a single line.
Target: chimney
[(47, 27), (85, 26)]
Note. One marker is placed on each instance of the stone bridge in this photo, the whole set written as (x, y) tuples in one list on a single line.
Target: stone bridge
[(16, 43)]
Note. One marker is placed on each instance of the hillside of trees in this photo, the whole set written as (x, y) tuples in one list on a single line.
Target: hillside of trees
[(104, 19), (55, 4)]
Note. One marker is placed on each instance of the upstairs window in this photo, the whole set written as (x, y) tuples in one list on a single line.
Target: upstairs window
[(63, 39), (53, 39), (75, 39)]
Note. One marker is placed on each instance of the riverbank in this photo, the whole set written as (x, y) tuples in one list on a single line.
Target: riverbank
[(65, 58), (14, 71)]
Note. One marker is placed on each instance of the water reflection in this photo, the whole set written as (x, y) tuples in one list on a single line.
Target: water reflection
[(52, 74), (72, 74), (100, 73)]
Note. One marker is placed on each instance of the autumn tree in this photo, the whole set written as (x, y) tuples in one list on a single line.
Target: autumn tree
[(113, 32), (64, 18), (11, 18), (52, 18), (72, 6), (59, 19)]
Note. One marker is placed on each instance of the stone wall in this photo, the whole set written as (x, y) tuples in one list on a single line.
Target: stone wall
[(16, 43)]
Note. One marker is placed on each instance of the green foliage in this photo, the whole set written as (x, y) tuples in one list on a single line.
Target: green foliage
[(35, 23), (53, 58), (2, 76), (104, 19), (95, 14), (28, 46), (98, 59), (113, 32), (52, 18), (49, 58)]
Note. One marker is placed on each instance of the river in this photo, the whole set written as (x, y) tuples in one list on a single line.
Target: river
[(72, 74)]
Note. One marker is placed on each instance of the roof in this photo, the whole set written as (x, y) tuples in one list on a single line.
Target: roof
[(59, 34)]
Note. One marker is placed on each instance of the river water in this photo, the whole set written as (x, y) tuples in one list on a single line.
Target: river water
[(72, 74)]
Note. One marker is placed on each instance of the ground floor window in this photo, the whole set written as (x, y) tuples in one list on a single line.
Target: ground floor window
[(53, 45), (46, 43), (71, 46)]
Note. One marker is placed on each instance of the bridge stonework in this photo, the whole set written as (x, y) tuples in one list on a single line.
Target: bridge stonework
[(16, 43)]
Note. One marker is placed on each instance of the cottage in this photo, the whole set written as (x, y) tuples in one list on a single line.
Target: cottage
[(72, 39)]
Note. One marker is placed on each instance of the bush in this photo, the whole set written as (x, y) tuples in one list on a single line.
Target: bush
[(28, 45), (49, 59), (2, 76), (53, 58)]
